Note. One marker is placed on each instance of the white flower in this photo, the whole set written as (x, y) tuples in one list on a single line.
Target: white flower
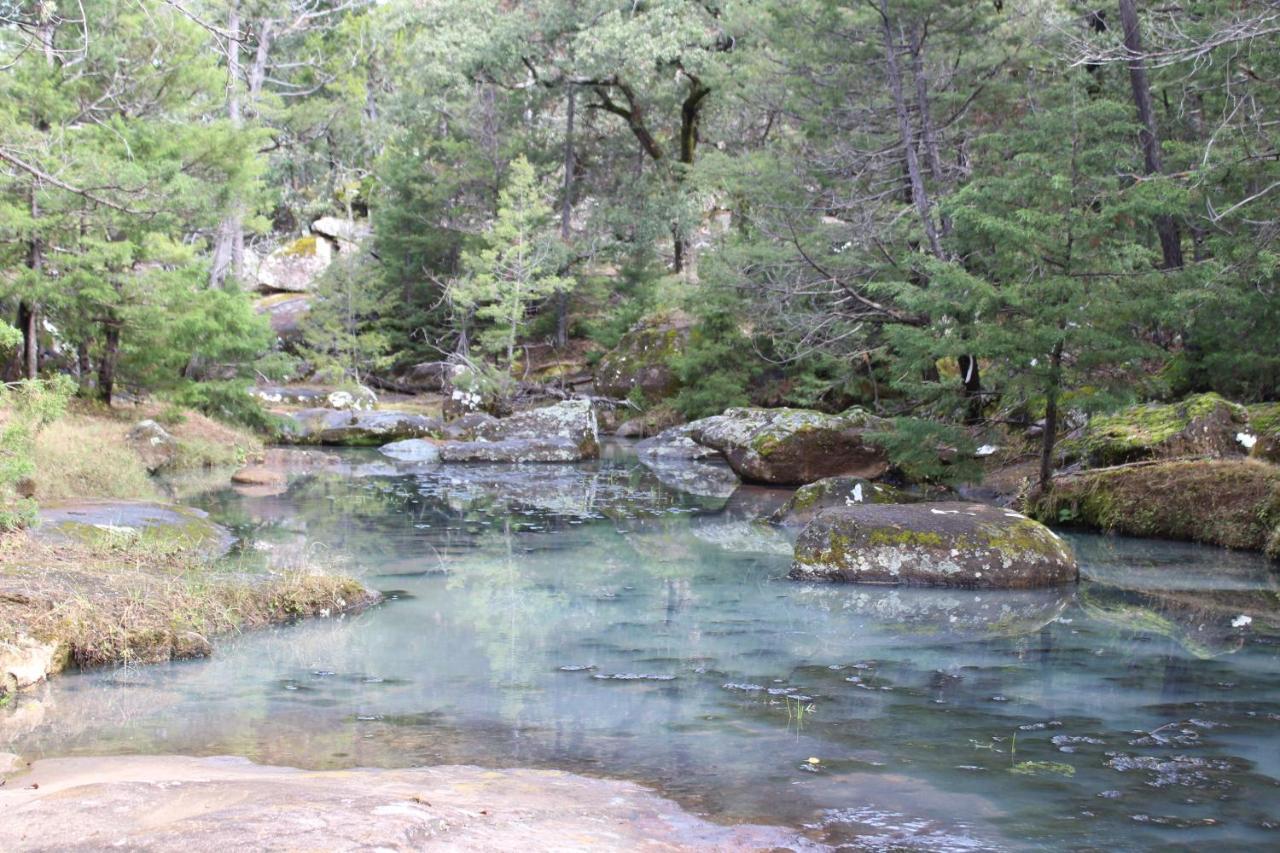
[(1247, 440)]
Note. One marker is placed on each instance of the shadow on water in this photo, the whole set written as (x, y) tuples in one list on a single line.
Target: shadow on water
[(620, 621)]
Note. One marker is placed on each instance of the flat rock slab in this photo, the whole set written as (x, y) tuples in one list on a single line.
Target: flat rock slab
[(357, 429), (952, 544), (511, 450), (152, 523), (184, 804)]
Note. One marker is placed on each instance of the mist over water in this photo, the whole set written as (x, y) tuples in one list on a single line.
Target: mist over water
[(601, 619)]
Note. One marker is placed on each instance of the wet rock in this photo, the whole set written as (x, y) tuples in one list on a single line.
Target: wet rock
[(426, 376), (153, 443), (25, 662), (412, 450), (830, 492), (295, 266), (9, 763), (472, 426), (951, 544), (183, 804), (793, 446), (745, 537), (357, 398), (357, 429), (701, 479), (1202, 425), (674, 443), (162, 525), (644, 359), (258, 475)]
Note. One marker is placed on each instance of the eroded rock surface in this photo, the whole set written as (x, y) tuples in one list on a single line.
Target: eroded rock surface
[(185, 804), (952, 544), (358, 429), (793, 446), (564, 432), (644, 359)]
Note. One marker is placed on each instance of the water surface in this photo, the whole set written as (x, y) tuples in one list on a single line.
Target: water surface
[(617, 621)]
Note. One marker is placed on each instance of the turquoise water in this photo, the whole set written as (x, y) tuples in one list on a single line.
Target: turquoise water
[(596, 619)]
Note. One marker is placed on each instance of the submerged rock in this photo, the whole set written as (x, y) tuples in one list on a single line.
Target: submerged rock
[(674, 443), (163, 525), (1233, 503), (359, 429), (951, 544), (170, 803), (793, 446), (1202, 425)]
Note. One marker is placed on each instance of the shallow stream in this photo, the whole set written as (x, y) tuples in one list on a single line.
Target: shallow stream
[(613, 620)]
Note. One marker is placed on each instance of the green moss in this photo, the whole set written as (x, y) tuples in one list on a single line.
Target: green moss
[(906, 538), (1134, 433), (1264, 418), (302, 247)]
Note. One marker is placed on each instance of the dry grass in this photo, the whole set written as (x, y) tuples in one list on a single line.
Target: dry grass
[(119, 602)]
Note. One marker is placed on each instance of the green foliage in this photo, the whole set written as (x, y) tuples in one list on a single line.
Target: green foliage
[(342, 335), (518, 266), (230, 401), (717, 368), (25, 408), (929, 452)]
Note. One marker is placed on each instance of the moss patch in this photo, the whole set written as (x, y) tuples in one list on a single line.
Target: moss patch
[(1201, 424), (1233, 503), (303, 247)]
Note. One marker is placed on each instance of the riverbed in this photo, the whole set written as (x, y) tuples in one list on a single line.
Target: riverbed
[(617, 621)]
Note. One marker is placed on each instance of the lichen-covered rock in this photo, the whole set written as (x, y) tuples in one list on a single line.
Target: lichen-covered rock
[(949, 543), (513, 450), (644, 359), (1202, 425), (412, 450), (650, 423), (830, 492), (1262, 438), (295, 266), (1230, 502), (346, 234), (357, 397), (471, 426), (792, 447), (357, 429), (153, 443), (564, 432), (674, 443), (164, 526)]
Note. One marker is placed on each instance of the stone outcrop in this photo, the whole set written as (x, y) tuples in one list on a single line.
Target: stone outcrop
[(357, 429), (153, 443), (346, 234), (793, 446), (356, 398), (644, 359), (950, 544), (25, 662), (164, 525), (1202, 425), (285, 312), (295, 266), (564, 432), (1262, 438)]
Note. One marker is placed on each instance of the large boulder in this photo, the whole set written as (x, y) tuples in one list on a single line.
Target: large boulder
[(831, 492), (357, 398), (1202, 425), (564, 432), (1234, 503), (285, 313), (295, 266), (346, 234), (792, 447), (425, 377), (472, 426), (153, 443), (674, 444), (357, 429), (951, 544), (644, 359), (1262, 438)]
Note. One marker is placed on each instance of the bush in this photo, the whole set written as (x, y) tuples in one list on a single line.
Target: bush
[(27, 408), (717, 367), (929, 452), (229, 401)]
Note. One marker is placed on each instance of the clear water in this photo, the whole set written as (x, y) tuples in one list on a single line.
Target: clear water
[(595, 619)]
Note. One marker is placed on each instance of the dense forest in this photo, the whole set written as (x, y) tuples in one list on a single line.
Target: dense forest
[(958, 214)]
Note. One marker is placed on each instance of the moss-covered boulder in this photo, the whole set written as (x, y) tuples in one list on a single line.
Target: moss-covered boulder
[(357, 429), (285, 312), (951, 544), (1202, 425), (792, 447), (164, 528), (644, 359), (1230, 502), (830, 492), (295, 266), (1263, 435)]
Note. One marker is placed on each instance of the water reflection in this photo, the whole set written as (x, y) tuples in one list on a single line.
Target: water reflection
[(599, 618)]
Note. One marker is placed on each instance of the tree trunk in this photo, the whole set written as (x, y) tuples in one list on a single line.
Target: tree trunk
[(27, 319), (228, 249), (1170, 238), (927, 131), (84, 368), (566, 216), (1050, 436), (107, 365)]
